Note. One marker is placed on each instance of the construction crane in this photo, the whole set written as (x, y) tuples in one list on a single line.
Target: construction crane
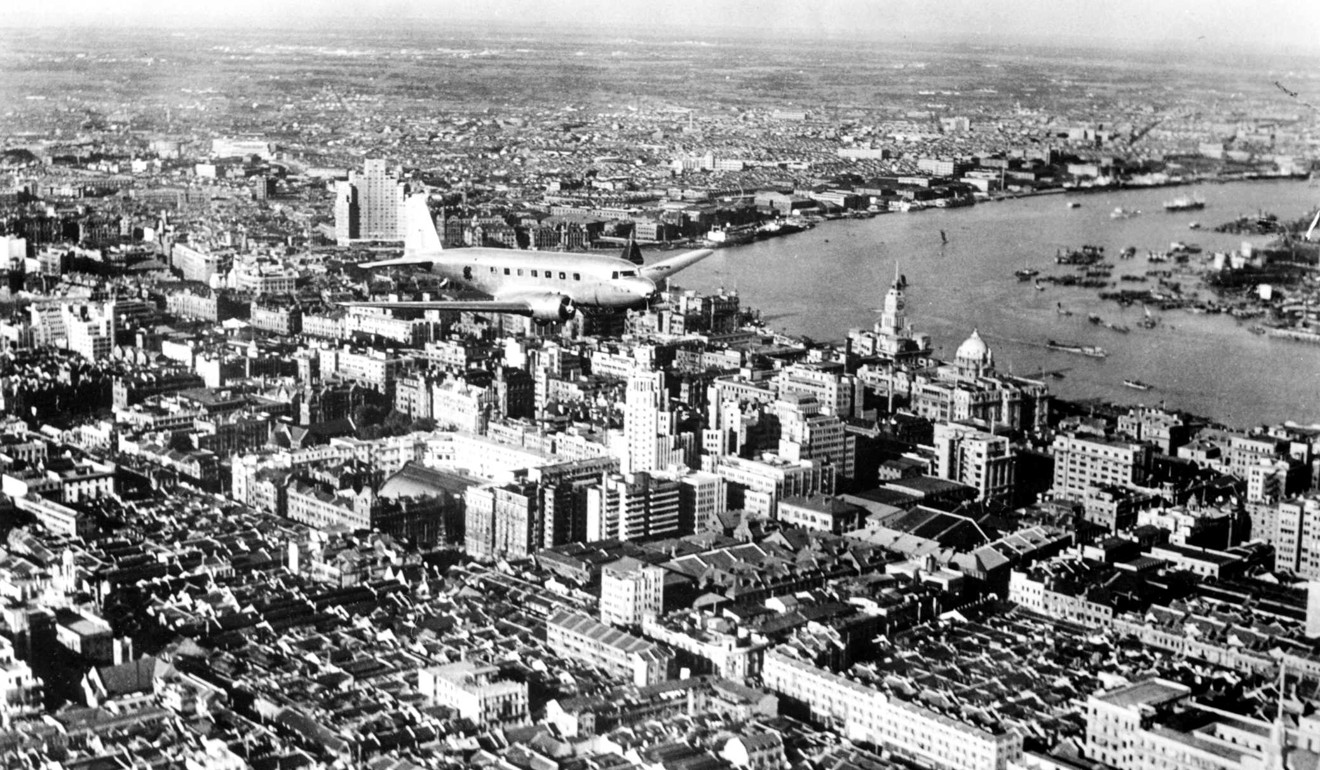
[(1141, 134)]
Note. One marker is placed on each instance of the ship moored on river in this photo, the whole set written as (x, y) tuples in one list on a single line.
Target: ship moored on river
[(1094, 351)]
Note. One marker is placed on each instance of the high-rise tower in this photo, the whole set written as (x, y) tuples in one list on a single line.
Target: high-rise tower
[(369, 206)]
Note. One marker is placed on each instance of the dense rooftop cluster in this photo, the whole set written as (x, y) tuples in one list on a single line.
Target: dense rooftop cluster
[(246, 525)]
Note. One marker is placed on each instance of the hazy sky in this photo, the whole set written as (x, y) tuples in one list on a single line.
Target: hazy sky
[(1294, 23)]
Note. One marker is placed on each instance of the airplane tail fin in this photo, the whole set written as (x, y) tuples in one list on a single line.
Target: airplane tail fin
[(632, 252), (420, 236)]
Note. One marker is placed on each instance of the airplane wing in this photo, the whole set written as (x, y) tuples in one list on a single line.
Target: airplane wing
[(420, 259), (666, 267), (489, 305), (542, 307)]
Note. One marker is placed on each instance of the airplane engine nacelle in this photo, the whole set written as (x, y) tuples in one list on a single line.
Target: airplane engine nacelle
[(552, 309)]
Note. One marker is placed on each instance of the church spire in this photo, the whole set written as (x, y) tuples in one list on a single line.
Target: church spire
[(1276, 750)]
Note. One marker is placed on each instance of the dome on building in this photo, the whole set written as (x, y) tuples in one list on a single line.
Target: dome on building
[(974, 354)]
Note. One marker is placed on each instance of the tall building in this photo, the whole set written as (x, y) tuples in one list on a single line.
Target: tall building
[(630, 590), (652, 440), (806, 432), (632, 506), (348, 222), (369, 206), (757, 486), (1082, 462), (501, 522), (702, 497), (892, 339), (971, 456), (1297, 537)]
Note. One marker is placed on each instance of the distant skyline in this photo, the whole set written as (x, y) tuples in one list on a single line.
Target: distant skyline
[(1178, 23)]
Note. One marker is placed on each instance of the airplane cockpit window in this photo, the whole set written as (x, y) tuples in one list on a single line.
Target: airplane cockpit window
[(627, 274), (614, 276)]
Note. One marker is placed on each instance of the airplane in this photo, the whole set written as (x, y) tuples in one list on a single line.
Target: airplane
[(548, 286)]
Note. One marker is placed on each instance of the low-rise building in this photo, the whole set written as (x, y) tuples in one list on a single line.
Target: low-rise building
[(477, 693)]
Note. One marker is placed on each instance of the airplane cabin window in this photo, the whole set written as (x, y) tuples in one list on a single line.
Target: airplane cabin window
[(577, 276), (534, 275), (520, 271), (506, 271), (563, 276)]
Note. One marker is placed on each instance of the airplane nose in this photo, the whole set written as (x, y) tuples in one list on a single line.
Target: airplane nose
[(643, 287)]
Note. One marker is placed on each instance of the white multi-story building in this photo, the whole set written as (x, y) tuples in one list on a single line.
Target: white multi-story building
[(974, 457), (480, 456), (907, 730), (375, 369), (194, 264), (1297, 537), (702, 497), (632, 506), (477, 693), (806, 432), (1082, 462), (1154, 725), (91, 331), (835, 392), (18, 686), (650, 428), (586, 639), (457, 404), (630, 591), (757, 486), (369, 206)]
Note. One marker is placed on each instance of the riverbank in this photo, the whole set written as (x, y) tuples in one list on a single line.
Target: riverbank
[(822, 282)]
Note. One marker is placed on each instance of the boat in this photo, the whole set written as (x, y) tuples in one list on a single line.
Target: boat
[(1094, 351), (729, 236), (1074, 205), (778, 227), (1194, 226), (1128, 253), (1121, 329), (1026, 274), (1086, 255), (1184, 203), (1095, 319), (1061, 310), (1138, 384), (1122, 213)]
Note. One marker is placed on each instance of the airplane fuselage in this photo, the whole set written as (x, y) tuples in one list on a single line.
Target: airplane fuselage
[(591, 280)]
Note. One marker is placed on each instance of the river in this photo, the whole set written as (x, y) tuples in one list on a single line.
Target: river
[(822, 282)]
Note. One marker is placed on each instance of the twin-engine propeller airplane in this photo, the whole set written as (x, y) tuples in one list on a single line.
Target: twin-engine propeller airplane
[(548, 286)]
